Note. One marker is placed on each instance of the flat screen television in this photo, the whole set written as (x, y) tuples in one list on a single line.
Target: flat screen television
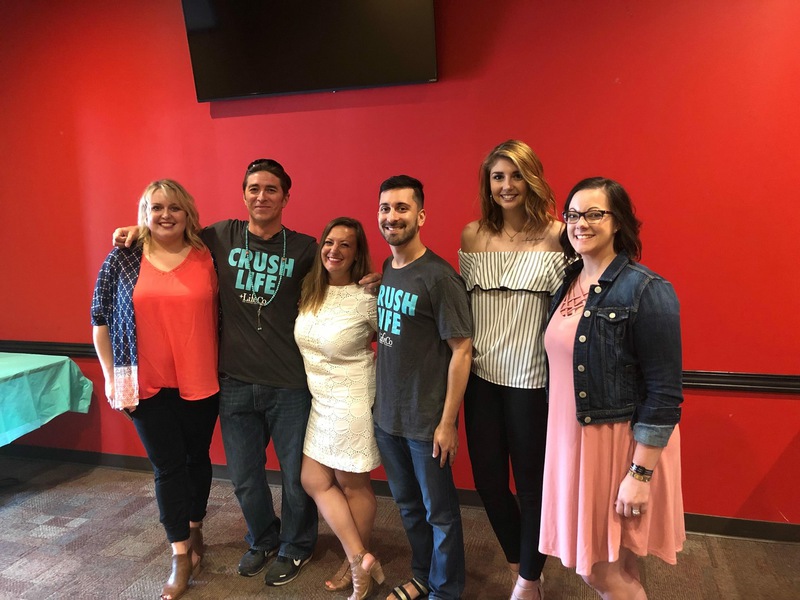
[(245, 48)]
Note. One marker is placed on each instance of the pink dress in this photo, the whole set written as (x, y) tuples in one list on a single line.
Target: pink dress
[(584, 466)]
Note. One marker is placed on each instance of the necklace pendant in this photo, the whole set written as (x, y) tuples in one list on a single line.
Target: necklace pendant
[(284, 260), (511, 238)]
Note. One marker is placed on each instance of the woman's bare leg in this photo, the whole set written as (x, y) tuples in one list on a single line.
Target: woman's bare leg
[(320, 482), (360, 497)]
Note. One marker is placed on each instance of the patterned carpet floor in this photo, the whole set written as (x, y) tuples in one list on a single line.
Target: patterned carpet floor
[(76, 531)]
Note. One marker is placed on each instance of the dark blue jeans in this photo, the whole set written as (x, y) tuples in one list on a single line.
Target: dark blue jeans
[(501, 423), (428, 502), (176, 434), (250, 415)]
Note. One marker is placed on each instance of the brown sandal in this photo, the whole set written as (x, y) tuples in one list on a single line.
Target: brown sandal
[(196, 548), (342, 579), (363, 578), (178, 581)]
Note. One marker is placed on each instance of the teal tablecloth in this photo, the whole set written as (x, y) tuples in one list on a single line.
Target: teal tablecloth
[(36, 388)]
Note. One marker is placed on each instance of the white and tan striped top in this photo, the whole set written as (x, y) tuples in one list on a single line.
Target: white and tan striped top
[(511, 292)]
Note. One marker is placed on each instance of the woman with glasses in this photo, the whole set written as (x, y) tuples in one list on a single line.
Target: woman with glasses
[(154, 317), (512, 264), (612, 485), (335, 326)]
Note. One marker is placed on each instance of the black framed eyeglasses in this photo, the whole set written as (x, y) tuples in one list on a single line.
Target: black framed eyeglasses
[(594, 215)]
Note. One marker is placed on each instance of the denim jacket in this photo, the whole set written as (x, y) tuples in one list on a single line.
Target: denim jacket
[(627, 352)]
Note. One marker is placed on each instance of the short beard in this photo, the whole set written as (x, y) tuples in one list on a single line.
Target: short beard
[(402, 238)]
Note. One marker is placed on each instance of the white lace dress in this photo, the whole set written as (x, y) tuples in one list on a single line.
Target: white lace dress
[(340, 366)]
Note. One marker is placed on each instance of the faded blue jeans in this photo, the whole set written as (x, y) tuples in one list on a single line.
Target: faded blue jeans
[(428, 502), (250, 415)]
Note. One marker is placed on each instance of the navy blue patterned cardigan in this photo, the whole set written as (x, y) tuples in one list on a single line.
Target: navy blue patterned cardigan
[(112, 305)]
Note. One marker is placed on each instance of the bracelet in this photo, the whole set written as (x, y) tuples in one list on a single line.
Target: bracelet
[(641, 470), (639, 476)]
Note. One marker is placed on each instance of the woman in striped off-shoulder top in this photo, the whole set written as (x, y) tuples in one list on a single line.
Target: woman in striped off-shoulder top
[(512, 263)]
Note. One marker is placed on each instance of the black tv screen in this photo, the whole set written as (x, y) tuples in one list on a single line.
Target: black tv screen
[(244, 48)]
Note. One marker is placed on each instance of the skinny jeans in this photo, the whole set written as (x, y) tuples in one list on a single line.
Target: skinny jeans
[(504, 423), (176, 434)]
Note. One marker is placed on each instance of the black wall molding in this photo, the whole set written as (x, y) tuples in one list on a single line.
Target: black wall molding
[(706, 524), (763, 383), (54, 348), (742, 382)]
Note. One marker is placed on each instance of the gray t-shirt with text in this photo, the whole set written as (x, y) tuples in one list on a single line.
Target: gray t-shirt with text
[(420, 307)]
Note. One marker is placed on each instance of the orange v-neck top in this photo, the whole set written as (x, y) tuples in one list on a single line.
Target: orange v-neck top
[(176, 327)]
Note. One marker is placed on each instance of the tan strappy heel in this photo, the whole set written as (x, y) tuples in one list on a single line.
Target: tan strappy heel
[(362, 579)]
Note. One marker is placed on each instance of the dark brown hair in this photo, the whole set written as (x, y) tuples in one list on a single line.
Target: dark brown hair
[(402, 182), (270, 166), (626, 239)]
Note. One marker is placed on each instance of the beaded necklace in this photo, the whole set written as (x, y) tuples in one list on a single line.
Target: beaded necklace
[(248, 255)]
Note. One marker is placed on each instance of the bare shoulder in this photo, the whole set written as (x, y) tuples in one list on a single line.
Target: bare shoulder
[(552, 235), (470, 237)]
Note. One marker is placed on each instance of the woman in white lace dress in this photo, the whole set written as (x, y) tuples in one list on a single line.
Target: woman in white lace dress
[(334, 330)]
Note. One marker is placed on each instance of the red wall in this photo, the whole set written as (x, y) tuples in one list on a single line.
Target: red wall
[(691, 105)]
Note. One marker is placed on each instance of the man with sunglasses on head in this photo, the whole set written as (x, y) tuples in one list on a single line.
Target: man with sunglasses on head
[(263, 389)]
